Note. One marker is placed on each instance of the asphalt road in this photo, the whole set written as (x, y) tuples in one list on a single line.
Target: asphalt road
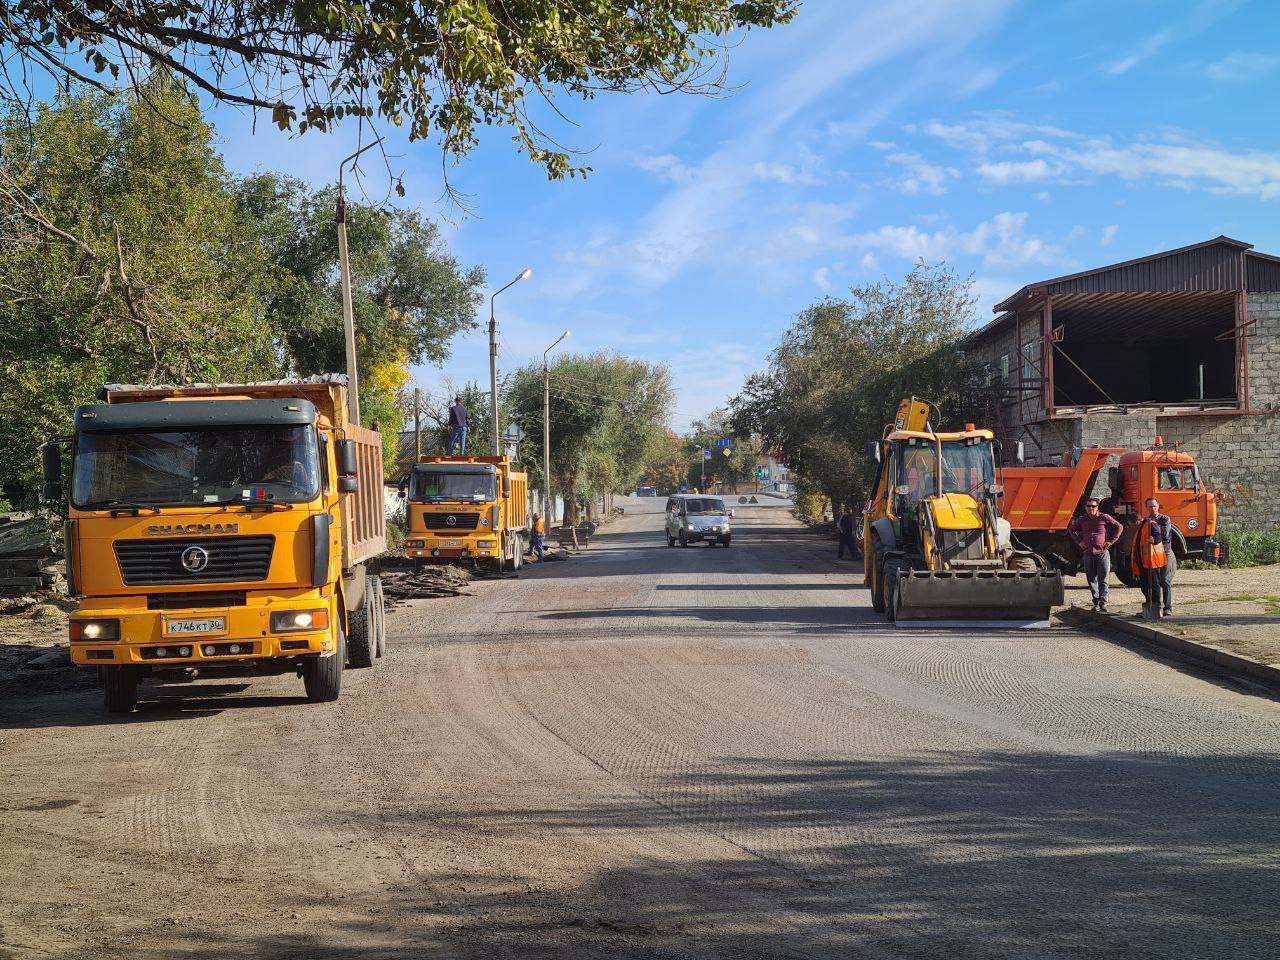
[(654, 752)]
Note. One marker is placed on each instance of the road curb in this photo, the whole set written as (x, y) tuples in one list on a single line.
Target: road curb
[(1219, 661)]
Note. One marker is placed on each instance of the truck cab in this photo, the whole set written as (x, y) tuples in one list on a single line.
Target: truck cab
[(222, 531), (1173, 478), (466, 509)]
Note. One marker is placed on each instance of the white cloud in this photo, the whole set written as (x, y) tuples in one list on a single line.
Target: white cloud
[(981, 79), (882, 145), (919, 176), (667, 167), (822, 277), (1076, 233), (869, 262), (1043, 196), (768, 172), (1000, 242), (1243, 67), (1147, 49), (1109, 233), (1005, 172), (1033, 153)]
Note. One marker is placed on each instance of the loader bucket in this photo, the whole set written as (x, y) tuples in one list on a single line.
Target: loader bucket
[(996, 598)]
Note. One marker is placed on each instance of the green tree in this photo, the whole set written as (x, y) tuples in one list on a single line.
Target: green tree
[(839, 371), (736, 467), (444, 68), (124, 257), (608, 413)]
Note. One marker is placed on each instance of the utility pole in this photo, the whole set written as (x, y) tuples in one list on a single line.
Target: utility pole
[(493, 360), (417, 423), (348, 311), (546, 431)]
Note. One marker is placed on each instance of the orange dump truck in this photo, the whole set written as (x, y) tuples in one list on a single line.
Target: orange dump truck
[(1040, 503), (222, 530), (472, 509)]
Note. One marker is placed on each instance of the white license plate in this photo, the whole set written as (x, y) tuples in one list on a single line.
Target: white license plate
[(204, 625), (450, 543)]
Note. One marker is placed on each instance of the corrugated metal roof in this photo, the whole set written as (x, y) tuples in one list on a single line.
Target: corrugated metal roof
[(1262, 273), (1212, 265)]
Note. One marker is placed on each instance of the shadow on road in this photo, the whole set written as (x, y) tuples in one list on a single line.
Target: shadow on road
[(992, 855)]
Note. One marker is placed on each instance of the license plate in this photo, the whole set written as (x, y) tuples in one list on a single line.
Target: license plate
[(204, 625), (450, 543)]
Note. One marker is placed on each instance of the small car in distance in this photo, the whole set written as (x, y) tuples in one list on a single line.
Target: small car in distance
[(693, 518)]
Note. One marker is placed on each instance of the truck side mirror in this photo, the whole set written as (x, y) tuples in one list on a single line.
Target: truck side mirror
[(1019, 453), (873, 451), (348, 484), (51, 462), (506, 485)]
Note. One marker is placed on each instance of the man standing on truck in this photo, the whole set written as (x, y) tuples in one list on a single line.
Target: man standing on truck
[(458, 427), (1152, 560), (1095, 533), (844, 527)]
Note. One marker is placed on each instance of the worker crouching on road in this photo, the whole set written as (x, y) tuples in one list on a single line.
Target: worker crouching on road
[(1095, 533), (537, 536), (844, 527), (1152, 561)]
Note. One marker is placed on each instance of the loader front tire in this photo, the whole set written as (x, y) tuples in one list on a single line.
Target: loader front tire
[(877, 576)]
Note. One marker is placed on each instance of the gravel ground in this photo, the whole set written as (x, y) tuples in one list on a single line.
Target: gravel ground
[(659, 753), (1233, 610)]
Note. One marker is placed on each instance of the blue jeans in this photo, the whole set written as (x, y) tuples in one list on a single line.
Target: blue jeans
[(458, 442), (535, 546)]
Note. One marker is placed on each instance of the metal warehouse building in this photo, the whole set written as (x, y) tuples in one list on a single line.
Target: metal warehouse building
[(1181, 344)]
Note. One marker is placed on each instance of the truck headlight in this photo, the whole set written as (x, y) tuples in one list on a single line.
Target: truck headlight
[(487, 543), (289, 621), (416, 544), (94, 629)]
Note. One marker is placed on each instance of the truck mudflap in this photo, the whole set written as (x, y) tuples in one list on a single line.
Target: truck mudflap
[(1007, 598)]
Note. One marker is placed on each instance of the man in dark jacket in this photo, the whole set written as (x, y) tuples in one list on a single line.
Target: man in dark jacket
[(458, 427), (1095, 533), (844, 527)]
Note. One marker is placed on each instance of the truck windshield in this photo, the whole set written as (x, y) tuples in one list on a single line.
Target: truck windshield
[(452, 485), (187, 467)]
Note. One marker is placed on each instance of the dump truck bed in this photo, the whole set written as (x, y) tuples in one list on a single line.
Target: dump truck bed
[(1046, 498)]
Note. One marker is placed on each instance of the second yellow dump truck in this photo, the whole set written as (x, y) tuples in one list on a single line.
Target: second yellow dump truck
[(467, 509), (223, 530)]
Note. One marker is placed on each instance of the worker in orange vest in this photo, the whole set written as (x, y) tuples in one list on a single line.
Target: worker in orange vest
[(537, 535), (1152, 561)]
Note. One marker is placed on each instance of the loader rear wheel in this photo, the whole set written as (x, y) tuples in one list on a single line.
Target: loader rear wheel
[(119, 689), (877, 576)]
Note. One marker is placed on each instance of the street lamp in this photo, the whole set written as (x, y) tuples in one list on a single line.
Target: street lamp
[(546, 428), (525, 274)]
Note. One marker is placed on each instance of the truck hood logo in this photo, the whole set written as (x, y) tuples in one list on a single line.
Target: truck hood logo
[(195, 559), (178, 529), (451, 520)]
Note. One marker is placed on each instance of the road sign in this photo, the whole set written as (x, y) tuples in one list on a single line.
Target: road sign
[(727, 452), (725, 442), (706, 453)]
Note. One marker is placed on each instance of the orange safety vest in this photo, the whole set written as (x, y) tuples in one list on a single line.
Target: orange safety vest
[(539, 527), (1148, 555)]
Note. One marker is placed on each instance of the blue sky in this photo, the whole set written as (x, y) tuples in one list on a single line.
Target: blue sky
[(1016, 141)]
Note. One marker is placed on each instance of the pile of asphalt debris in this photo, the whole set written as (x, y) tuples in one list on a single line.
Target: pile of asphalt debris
[(401, 583)]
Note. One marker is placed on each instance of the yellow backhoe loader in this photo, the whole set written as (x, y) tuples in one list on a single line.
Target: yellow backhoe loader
[(935, 546)]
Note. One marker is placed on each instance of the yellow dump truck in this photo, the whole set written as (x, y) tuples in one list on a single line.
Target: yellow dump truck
[(467, 509), (223, 530)]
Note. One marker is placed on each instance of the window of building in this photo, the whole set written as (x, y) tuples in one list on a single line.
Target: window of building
[(1004, 368)]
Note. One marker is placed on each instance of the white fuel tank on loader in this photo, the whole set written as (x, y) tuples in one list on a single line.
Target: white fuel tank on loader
[(937, 551)]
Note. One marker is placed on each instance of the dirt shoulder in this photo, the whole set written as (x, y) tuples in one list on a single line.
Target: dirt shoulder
[(1233, 610)]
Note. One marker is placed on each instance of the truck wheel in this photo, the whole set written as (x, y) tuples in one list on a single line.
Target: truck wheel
[(363, 640), (380, 613), (119, 689), (322, 676), (517, 553), (1122, 567)]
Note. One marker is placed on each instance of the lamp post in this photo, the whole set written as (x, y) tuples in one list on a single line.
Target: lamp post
[(546, 429), (493, 359), (344, 271)]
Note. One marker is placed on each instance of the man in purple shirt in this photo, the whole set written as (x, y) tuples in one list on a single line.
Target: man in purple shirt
[(1095, 533)]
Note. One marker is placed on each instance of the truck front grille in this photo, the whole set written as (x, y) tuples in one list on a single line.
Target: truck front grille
[(961, 545), (194, 560), (461, 521)]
